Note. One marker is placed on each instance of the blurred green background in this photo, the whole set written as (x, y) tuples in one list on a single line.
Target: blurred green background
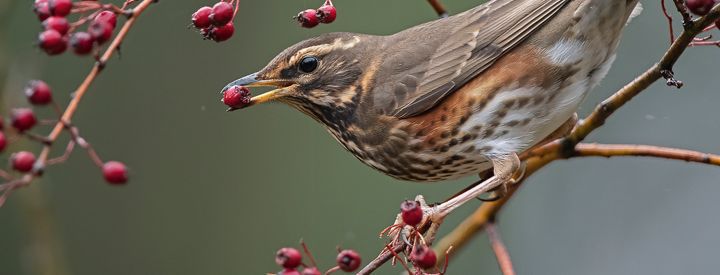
[(217, 193)]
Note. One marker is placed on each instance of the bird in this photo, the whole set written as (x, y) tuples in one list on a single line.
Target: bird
[(453, 97)]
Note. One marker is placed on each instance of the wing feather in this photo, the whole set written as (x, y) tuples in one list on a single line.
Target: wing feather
[(482, 36)]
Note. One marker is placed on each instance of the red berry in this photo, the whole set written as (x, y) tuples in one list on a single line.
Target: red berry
[(38, 92), (423, 257), (52, 42), (100, 31), (22, 119), (326, 14), (411, 212), (108, 17), (222, 33), (307, 18), (22, 161), (115, 172), (236, 97), (41, 9), (82, 43), (288, 257), (201, 18), (700, 7), (3, 141), (222, 13), (60, 24), (311, 271), (348, 260), (60, 7)]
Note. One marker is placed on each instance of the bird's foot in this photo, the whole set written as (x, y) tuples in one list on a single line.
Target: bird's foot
[(417, 216), (501, 190), (494, 194)]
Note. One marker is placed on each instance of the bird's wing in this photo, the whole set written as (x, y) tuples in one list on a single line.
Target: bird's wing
[(481, 36)]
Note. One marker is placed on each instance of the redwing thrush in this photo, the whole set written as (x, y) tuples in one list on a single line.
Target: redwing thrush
[(455, 96)]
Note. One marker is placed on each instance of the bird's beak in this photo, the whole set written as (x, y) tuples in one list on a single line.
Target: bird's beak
[(252, 80)]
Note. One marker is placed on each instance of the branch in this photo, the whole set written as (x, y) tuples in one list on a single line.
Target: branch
[(501, 253), (476, 222), (381, 259), (67, 115), (439, 8), (89, 79), (484, 215), (608, 150), (670, 21), (608, 107)]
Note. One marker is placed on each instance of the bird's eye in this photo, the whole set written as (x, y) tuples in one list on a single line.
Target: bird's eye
[(308, 64)]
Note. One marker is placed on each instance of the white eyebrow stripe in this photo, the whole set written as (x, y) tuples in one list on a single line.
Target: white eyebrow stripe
[(323, 49)]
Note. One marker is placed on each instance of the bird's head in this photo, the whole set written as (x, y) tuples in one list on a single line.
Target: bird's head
[(318, 76)]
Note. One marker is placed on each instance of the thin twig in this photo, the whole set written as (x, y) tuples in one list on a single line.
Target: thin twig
[(439, 8), (669, 19), (65, 156), (501, 252), (705, 43), (617, 150), (307, 252), (381, 259), (609, 106), (476, 222), (43, 158), (83, 88), (397, 258)]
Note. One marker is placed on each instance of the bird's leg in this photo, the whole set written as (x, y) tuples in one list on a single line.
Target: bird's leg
[(501, 190), (504, 167), (495, 194)]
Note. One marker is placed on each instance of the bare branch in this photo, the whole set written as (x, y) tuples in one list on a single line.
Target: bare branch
[(381, 259), (608, 150), (439, 8), (501, 253), (484, 215), (44, 158)]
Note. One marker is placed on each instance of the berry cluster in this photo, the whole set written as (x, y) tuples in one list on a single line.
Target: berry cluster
[(324, 14), (216, 23), (419, 254), (59, 33), (22, 120), (290, 259)]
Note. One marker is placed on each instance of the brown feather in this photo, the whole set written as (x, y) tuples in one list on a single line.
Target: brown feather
[(482, 36)]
